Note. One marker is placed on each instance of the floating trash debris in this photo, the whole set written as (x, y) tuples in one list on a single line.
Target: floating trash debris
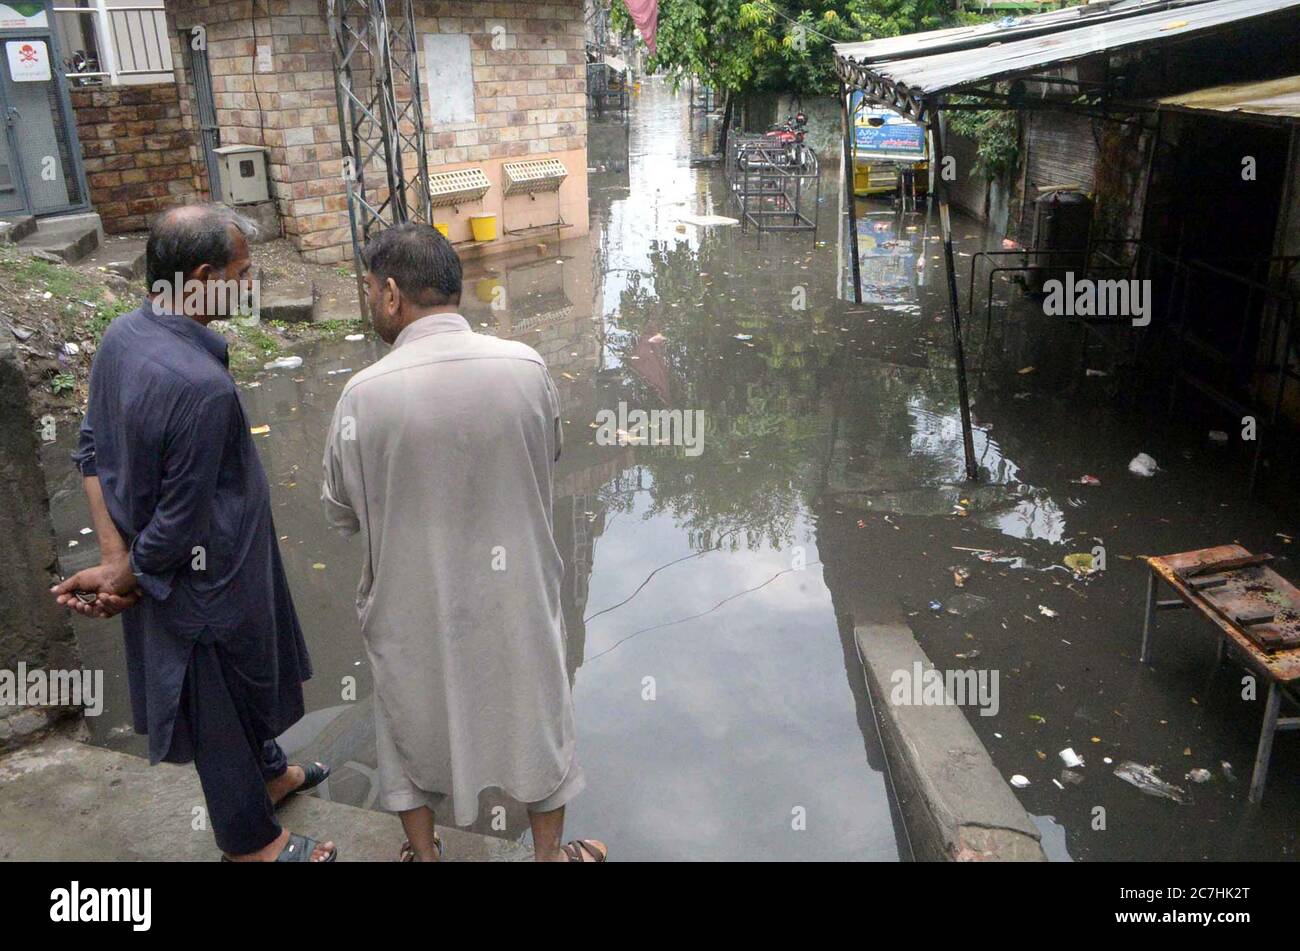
[(1146, 780), (355, 337), (1020, 782), (1070, 758), (964, 604), (283, 363), (1081, 563), (708, 221), (1142, 465), (1200, 775)]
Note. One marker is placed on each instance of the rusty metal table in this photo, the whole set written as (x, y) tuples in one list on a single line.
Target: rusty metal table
[(1281, 669)]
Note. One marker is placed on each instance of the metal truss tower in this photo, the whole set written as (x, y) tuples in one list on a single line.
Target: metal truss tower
[(381, 119)]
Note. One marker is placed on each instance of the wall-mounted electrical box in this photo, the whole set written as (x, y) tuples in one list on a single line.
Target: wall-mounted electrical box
[(243, 174)]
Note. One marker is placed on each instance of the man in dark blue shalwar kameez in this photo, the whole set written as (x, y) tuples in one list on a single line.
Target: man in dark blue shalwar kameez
[(181, 504)]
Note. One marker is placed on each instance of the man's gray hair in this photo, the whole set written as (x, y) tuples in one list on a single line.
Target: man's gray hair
[(187, 236)]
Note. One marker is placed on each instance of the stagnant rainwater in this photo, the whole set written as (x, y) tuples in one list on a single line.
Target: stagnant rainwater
[(710, 598)]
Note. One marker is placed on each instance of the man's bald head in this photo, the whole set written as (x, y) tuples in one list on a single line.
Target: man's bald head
[(184, 238)]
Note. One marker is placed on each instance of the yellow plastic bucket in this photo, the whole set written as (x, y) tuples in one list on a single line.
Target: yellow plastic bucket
[(484, 227), (442, 229)]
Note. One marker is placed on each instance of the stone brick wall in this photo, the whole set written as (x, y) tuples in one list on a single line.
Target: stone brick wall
[(137, 148), (288, 106), (530, 79), (529, 102), (34, 630)]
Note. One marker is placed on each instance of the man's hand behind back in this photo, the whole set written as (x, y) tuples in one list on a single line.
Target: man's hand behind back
[(99, 592)]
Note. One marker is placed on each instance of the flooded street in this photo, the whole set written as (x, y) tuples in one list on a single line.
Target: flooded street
[(710, 598)]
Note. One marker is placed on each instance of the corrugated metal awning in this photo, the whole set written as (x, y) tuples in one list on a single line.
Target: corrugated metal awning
[(919, 72), (1271, 99), (980, 34)]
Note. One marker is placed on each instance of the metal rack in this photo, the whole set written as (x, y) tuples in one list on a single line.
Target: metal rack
[(770, 187), (607, 89)]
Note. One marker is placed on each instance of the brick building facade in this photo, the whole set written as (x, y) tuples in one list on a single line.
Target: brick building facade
[(273, 86), (137, 149)]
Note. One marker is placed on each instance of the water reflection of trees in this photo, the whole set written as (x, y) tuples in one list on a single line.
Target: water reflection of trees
[(761, 397), (802, 402)]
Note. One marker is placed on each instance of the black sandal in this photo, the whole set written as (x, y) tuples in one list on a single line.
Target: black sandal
[(407, 854), (298, 849), (574, 850), (313, 774)]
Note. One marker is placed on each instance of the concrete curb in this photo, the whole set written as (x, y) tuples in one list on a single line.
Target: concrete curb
[(955, 803), (61, 800)]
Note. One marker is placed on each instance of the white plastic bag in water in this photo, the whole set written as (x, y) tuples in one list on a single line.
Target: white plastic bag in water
[(1143, 465)]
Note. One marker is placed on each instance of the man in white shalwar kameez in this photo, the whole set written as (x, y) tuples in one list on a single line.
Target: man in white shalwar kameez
[(441, 455)]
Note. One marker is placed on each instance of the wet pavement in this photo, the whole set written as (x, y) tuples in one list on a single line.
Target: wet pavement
[(710, 599)]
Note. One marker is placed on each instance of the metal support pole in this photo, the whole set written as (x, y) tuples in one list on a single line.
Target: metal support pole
[(958, 350), (107, 46), (1265, 751), (1148, 617), (381, 120), (846, 125)]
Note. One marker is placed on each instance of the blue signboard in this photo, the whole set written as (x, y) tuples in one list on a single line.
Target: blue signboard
[(880, 133)]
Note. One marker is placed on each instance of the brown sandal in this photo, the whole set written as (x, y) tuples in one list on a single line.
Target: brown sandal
[(579, 849), (407, 854)]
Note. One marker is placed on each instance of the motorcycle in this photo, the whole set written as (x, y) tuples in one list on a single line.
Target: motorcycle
[(83, 62), (789, 135)]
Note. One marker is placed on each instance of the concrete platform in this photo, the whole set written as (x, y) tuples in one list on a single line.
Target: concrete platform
[(956, 804), (291, 301), (122, 255), (63, 800), (17, 227), (71, 237)]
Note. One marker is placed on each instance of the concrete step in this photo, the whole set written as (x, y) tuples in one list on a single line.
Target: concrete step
[(290, 301), (62, 800), (70, 238), (16, 228), (122, 255)]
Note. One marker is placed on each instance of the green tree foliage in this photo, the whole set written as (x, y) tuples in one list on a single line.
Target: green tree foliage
[(997, 138), (743, 47)]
